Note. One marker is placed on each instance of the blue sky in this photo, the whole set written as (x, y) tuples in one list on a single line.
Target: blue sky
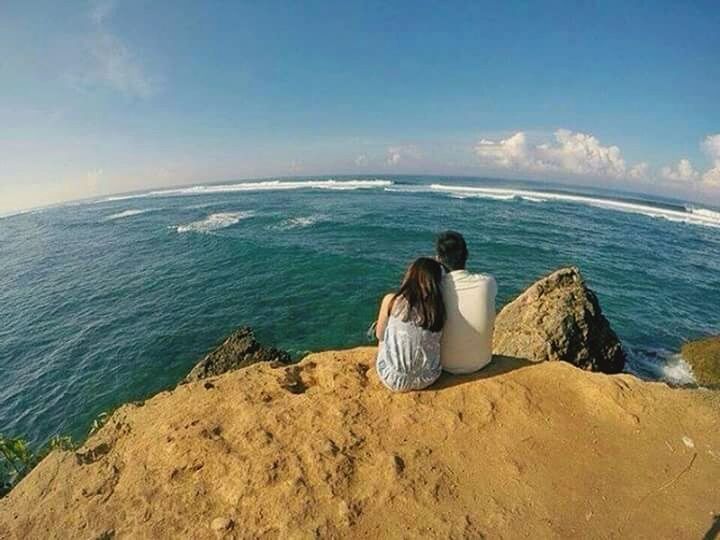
[(100, 97)]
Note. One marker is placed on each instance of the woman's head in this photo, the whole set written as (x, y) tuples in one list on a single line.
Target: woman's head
[(421, 290)]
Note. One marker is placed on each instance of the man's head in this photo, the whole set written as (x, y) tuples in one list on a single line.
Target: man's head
[(451, 250)]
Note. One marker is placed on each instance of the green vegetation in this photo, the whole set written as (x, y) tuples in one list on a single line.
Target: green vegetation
[(17, 458)]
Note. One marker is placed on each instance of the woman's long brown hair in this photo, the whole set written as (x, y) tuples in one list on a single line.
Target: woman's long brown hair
[(420, 288)]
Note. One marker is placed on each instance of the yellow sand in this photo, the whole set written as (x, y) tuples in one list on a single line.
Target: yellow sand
[(321, 449)]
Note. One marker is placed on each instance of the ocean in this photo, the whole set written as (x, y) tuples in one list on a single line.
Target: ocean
[(112, 300)]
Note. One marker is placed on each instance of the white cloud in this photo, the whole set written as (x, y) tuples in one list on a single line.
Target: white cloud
[(682, 172), (711, 146), (509, 153), (712, 176), (582, 154), (570, 152), (640, 171), (114, 64), (361, 160), (396, 154), (393, 156)]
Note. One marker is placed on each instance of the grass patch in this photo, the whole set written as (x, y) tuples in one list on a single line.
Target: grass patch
[(17, 458)]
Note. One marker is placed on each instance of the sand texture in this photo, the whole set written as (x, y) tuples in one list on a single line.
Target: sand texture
[(322, 449)]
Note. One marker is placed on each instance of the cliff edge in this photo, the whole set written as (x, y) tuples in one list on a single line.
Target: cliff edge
[(322, 449)]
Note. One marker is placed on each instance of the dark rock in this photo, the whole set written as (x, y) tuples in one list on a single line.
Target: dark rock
[(703, 355), (238, 351), (92, 454), (559, 318)]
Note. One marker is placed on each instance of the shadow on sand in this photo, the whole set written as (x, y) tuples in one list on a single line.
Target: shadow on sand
[(714, 530), (499, 366)]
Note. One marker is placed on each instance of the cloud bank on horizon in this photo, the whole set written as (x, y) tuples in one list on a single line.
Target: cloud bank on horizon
[(107, 96), (584, 155)]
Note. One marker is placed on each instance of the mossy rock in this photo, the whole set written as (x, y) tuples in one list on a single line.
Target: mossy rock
[(703, 355)]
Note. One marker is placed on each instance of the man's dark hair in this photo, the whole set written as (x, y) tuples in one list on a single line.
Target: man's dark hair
[(451, 250)]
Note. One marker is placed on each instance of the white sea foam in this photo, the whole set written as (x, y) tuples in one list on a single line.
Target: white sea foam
[(677, 371), (461, 192), (300, 222), (691, 215), (712, 214), (128, 213), (697, 217), (269, 185), (214, 222), (660, 364), (204, 205), (534, 199)]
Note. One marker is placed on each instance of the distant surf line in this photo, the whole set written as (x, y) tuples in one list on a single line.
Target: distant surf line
[(691, 214), (268, 185)]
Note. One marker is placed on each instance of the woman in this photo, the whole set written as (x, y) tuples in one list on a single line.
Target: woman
[(409, 328)]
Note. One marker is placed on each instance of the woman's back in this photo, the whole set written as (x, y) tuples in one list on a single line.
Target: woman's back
[(408, 355)]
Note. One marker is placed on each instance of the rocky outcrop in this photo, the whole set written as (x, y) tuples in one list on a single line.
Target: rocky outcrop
[(321, 449), (559, 318), (240, 350), (703, 356)]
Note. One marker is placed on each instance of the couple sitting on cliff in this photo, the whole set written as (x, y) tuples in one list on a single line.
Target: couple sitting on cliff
[(442, 317)]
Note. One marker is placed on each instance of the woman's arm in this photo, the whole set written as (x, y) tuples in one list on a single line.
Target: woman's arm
[(383, 315)]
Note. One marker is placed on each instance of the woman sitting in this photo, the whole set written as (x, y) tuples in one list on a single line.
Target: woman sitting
[(409, 327)]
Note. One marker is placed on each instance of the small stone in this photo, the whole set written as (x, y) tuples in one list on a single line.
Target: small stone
[(221, 524), (398, 464)]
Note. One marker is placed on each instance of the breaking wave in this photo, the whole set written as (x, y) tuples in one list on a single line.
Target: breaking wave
[(300, 222), (693, 216), (710, 214), (269, 185), (214, 222), (659, 364), (127, 213), (676, 370), (462, 192)]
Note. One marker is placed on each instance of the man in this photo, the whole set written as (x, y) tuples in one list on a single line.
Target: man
[(466, 344)]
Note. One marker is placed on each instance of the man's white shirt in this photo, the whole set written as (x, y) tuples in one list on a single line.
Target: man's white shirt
[(466, 344)]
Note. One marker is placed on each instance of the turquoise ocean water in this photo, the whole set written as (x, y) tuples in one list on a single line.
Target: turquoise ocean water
[(112, 300)]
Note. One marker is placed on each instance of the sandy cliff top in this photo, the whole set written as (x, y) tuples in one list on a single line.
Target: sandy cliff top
[(519, 450)]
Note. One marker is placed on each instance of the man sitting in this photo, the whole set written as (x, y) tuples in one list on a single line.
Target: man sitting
[(466, 344)]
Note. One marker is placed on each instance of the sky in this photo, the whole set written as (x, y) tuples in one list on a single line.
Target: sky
[(107, 96)]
